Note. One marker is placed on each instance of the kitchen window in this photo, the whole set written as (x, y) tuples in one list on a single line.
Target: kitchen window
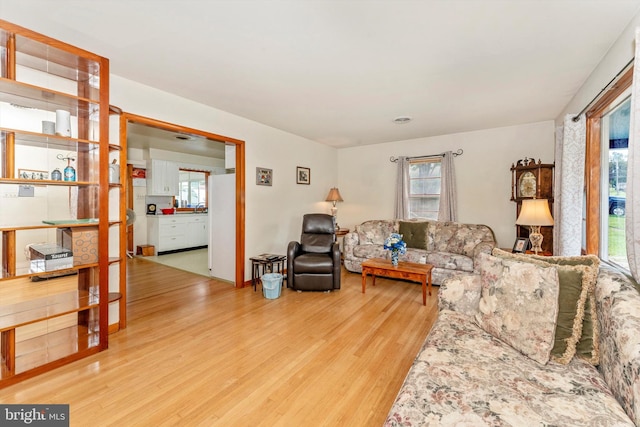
[(192, 189)]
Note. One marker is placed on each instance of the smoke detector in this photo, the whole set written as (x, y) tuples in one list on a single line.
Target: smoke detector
[(402, 120)]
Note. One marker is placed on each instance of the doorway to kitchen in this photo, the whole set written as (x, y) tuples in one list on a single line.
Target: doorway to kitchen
[(147, 139)]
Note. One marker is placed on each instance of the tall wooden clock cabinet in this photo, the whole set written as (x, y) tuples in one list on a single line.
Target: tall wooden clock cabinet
[(533, 180)]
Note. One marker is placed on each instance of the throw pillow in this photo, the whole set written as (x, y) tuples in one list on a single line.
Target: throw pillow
[(519, 304), (414, 233), (574, 282), (587, 347)]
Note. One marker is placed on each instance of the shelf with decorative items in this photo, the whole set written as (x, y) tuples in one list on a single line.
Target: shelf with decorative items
[(533, 180), (54, 186), (118, 225)]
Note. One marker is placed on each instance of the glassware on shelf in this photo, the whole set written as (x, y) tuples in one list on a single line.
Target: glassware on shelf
[(69, 172)]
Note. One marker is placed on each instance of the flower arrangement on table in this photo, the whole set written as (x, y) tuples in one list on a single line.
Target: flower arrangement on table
[(396, 245)]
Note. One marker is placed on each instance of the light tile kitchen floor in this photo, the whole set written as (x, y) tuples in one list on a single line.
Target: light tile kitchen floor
[(195, 261)]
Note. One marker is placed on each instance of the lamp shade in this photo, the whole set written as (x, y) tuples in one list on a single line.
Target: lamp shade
[(535, 212), (334, 195)]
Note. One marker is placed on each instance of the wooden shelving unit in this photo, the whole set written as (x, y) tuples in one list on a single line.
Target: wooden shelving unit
[(118, 229), (52, 317)]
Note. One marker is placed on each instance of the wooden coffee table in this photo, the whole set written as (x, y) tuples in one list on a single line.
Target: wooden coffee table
[(405, 270)]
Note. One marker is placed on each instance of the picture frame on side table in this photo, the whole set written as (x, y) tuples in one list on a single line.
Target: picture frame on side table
[(521, 245), (303, 175), (264, 176)]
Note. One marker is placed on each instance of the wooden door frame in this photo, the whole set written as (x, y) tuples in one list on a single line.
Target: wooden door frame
[(126, 118)]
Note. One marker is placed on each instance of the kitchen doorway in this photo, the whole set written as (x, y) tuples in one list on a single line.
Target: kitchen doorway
[(143, 135)]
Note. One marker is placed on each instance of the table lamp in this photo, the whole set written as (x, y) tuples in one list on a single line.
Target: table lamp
[(535, 213), (334, 196)]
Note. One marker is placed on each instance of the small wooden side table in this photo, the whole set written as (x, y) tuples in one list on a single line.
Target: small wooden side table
[(269, 264), (405, 270), (341, 232)]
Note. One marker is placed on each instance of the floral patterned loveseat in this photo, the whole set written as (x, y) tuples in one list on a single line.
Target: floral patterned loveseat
[(450, 247), (464, 375)]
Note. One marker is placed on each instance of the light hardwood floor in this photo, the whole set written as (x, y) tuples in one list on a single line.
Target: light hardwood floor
[(198, 352)]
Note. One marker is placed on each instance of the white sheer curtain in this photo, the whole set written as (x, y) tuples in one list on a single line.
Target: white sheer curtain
[(401, 210), (632, 224), (569, 186), (448, 210)]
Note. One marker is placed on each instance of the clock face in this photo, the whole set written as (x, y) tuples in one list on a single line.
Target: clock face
[(527, 185)]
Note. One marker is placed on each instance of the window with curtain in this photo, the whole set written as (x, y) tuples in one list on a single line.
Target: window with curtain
[(424, 188), (614, 154)]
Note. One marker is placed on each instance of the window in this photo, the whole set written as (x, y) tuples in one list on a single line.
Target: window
[(614, 150), (605, 178), (424, 188), (192, 189)]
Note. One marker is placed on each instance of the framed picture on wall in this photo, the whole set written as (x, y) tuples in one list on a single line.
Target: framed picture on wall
[(264, 176), (303, 175), (521, 245)]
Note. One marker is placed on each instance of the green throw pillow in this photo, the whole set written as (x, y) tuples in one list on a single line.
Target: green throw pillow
[(574, 329), (588, 347), (414, 233)]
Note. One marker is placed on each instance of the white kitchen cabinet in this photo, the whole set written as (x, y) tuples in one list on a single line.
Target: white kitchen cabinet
[(176, 232), (162, 178), (197, 230)]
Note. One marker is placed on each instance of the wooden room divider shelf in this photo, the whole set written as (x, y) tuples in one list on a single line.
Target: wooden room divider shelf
[(63, 316)]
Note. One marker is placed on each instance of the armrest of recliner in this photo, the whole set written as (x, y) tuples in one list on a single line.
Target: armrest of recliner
[(293, 250), (337, 262)]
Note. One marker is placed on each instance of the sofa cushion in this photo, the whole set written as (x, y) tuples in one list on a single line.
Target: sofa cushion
[(457, 238), (463, 376), (576, 282), (450, 261), (519, 304), (414, 233), (439, 235), (312, 263), (374, 232), (370, 251)]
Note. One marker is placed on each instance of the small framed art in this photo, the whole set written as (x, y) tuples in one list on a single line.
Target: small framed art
[(521, 245), (303, 175), (33, 174), (264, 176)]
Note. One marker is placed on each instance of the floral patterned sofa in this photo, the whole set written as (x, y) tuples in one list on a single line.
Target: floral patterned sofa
[(465, 375), (450, 247)]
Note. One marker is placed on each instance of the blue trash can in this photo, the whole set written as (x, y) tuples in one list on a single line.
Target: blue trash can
[(271, 285)]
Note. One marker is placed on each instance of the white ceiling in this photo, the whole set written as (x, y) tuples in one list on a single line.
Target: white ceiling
[(339, 72), (145, 137)]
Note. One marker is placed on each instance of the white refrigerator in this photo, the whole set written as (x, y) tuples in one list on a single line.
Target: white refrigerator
[(222, 226)]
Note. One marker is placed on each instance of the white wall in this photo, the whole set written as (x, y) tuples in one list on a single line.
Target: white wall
[(620, 53), (367, 177), (273, 214)]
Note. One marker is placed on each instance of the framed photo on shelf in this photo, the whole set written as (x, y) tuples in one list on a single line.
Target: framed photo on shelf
[(264, 176), (521, 245), (303, 175), (32, 174)]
